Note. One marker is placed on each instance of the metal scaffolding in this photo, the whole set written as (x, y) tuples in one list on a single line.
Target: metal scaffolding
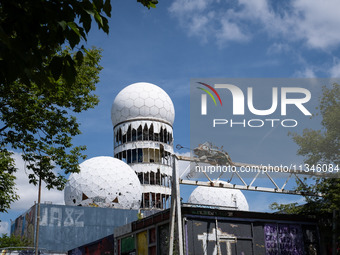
[(208, 154)]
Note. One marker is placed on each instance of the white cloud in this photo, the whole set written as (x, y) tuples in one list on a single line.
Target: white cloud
[(4, 227), (201, 20), (308, 72), (28, 192), (198, 24), (230, 32), (318, 22), (335, 70), (278, 48), (315, 23), (185, 6)]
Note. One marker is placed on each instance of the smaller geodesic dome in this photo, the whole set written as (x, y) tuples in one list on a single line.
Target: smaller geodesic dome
[(213, 196), (104, 182)]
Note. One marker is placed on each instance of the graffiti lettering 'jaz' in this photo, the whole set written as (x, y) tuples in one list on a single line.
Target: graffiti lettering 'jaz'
[(55, 216)]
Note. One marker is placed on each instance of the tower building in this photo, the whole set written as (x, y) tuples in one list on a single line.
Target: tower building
[(142, 115)]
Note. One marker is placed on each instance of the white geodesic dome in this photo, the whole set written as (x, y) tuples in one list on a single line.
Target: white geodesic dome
[(104, 182), (142, 100), (213, 196)]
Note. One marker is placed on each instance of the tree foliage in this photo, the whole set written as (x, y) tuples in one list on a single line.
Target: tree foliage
[(37, 122), (14, 241), (321, 147), (46, 73), (32, 31), (7, 190)]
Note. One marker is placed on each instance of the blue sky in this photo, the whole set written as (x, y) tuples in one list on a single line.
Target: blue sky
[(185, 39)]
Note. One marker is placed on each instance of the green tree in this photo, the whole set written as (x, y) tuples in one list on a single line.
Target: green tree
[(14, 241), (7, 184), (321, 147), (37, 121), (41, 84), (32, 31)]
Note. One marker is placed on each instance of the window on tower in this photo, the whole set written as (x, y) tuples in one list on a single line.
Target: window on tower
[(128, 156), (145, 133), (151, 133), (140, 155), (134, 134), (134, 156), (139, 133)]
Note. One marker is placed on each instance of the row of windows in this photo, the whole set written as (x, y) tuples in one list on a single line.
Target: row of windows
[(145, 155), (154, 178), (143, 134), (155, 200)]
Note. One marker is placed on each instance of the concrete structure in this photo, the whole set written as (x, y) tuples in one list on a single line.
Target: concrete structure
[(142, 116), (63, 228)]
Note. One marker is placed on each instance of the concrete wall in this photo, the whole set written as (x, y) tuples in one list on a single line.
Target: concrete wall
[(63, 228)]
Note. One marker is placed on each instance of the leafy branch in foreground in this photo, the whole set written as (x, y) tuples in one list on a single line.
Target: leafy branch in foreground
[(37, 121)]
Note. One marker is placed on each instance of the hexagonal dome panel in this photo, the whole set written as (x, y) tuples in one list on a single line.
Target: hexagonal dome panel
[(146, 96), (104, 182), (232, 198)]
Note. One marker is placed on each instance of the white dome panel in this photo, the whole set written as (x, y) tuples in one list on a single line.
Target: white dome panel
[(139, 102), (152, 99)]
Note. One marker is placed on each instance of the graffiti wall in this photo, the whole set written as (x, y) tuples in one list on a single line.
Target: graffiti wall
[(209, 231), (235, 237), (219, 237), (283, 239), (24, 225), (63, 228)]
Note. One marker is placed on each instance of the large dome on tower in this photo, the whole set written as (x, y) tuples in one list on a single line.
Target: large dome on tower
[(142, 100), (104, 182), (214, 196)]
